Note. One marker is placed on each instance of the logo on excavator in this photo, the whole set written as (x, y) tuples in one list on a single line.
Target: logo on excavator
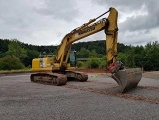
[(87, 30)]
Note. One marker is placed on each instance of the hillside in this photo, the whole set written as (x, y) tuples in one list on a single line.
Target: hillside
[(138, 56)]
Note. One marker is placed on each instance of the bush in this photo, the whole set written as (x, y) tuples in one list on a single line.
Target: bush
[(80, 64), (10, 63), (102, 64), (93, 63)]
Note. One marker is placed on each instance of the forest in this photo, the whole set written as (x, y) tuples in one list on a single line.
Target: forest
[(17, 55)]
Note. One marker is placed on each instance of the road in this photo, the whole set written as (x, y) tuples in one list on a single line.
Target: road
[(95, 99)]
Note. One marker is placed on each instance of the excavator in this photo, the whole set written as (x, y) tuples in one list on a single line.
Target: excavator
[(56, 70)]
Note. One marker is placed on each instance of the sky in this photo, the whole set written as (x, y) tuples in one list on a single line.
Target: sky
[(46, 22)]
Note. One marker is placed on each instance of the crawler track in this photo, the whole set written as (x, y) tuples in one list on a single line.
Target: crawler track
[(76, 75), (49, 78), (59, 78)]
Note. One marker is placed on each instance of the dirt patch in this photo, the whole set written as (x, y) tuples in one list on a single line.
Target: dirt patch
[(145, 74), (121, 95), (92, 70), (149, 74)]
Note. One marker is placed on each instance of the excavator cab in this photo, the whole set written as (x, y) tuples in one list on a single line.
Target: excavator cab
[(72, 58)]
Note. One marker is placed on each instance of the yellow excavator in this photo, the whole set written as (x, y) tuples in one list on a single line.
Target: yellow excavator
[(56, 70)]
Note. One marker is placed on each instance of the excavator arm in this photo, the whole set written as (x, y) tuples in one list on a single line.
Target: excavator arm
[(108, 24)]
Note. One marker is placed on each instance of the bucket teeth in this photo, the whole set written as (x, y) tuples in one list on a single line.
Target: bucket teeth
[(127, 78)]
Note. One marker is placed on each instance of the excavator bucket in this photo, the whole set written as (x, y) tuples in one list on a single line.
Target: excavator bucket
[(127, 78)]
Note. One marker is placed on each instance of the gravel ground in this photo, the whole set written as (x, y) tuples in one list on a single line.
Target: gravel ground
[(95, 99)]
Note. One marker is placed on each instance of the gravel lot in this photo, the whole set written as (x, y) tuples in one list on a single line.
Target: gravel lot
[(95, 99)]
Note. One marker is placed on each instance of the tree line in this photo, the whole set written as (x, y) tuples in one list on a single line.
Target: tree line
[(17, 55)]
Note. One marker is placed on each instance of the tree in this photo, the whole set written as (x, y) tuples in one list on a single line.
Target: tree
[(121, 57), (83, 53), (93, 54), (15, 49), (130, 58), (31, 54), (10, 62), (3, 45), (151, 55)]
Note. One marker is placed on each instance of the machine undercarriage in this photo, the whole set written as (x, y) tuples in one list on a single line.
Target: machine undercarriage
[(58, 78)]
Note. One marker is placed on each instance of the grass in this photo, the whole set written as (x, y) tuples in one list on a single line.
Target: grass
[(15, 71)]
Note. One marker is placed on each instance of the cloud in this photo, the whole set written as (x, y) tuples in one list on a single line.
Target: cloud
[(139, 15), (59, 9), (46, 22), (137, 20), (35, 22)]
